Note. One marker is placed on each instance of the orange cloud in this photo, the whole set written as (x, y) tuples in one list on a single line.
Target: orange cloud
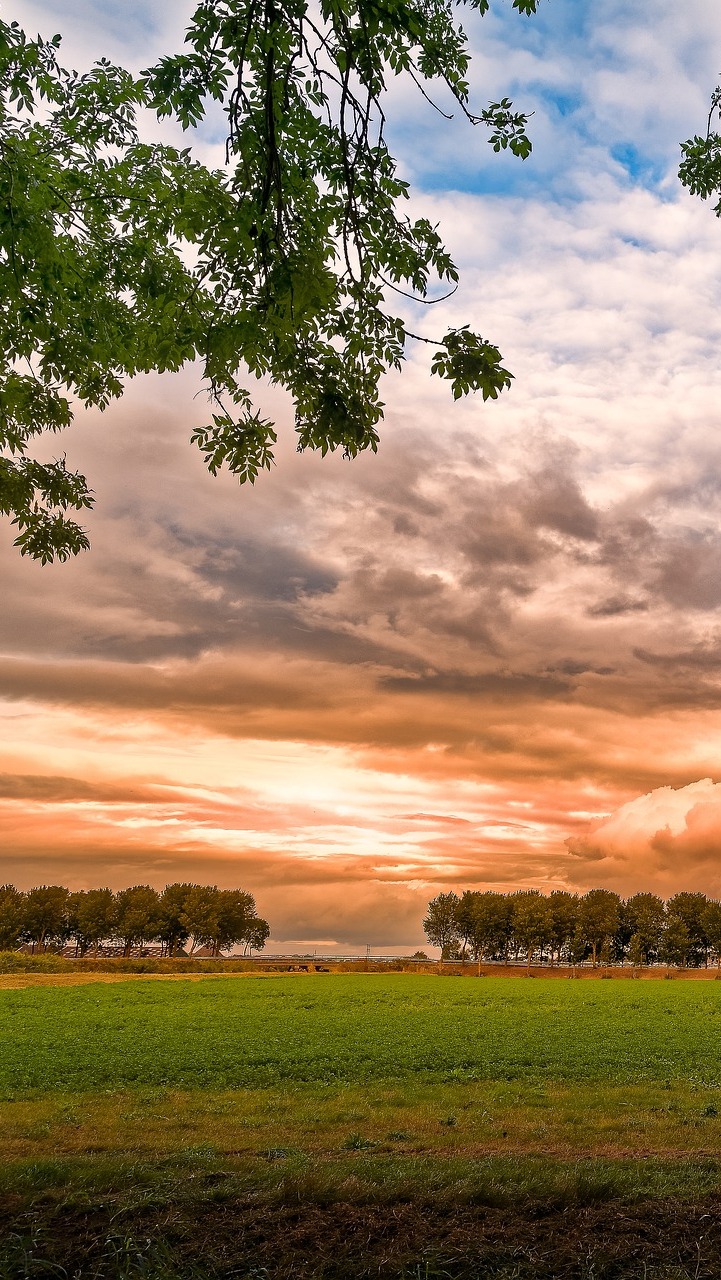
[(669, 838)]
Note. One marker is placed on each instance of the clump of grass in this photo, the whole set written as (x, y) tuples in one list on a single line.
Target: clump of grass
[(356, 1142)]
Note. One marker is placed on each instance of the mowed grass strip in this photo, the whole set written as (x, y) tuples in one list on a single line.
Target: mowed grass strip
[(330, 1029)]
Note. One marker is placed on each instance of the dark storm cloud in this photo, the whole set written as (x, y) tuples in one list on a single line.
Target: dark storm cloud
[(524, 591), (701, 658), (48, 788), (512, 686), (688, 573), (554, 500), (443, 604), (617, 606)]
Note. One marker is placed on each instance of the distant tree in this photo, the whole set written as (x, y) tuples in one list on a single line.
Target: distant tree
[(531, 921), (221, 918), (578, 948), (599, 914), (11, 917), (236, 921), (44, 916), (689, 908), (91, 918), (468, 923), (255, 935), (676, 942), (440, 925), (172, 932), (644, 916), (563, 907), (137, 916), (621, 940), (637, 950), (199, 916), (711, 921), (484, 923)]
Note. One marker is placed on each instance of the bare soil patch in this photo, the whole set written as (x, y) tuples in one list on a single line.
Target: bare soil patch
[(396, 1241)]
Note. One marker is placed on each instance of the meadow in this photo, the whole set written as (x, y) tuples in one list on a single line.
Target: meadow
[(562, 1108), (223, 1033)]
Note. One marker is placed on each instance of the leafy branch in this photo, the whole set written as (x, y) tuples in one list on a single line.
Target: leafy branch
[(296, 242)]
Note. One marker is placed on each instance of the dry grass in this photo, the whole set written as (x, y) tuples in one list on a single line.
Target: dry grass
[(443, 1121), (14, 981)]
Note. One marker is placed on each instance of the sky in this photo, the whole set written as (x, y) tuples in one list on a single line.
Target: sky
[(488, 657)]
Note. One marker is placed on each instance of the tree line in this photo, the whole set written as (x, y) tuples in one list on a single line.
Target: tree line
[(49, 916), (564, 927)]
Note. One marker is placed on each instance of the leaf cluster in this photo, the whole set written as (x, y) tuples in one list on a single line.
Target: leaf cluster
[(700, 168), (119, 256)]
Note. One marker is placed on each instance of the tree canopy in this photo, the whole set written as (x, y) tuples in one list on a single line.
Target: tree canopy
[(598, 925), (120, 255), (51, 915)]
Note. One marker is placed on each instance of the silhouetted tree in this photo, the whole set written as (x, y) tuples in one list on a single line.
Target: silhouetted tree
[(711, 922), (441, 925), (689, 907), (11, 917), (599, 913), (531, 921), (564, 918), (644, 916), (44, 916), (220, 918), (172, 932), (137, 916), (256, 934), (676, 942), (91, 917), (484, 923)]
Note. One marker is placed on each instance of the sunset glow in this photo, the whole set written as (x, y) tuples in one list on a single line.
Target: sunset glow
[(489, 656)]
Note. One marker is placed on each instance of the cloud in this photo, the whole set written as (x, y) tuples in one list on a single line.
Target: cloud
[(427, 668), (668, 839)]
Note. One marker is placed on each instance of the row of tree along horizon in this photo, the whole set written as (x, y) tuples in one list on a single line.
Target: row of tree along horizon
[(203, 916), (564, 927)]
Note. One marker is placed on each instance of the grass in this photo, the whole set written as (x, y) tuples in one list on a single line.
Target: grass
[(465, 1120), (220, 1033), (526, 1219), (346, 1126)]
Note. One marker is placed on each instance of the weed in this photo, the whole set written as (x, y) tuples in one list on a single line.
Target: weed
[(356, 1142)]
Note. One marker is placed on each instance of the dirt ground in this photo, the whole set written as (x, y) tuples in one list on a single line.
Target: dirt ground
[(18, 980), (398, 1241)]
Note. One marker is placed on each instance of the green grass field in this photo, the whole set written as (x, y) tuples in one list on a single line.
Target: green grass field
[(155, 1103), (220, 1033)]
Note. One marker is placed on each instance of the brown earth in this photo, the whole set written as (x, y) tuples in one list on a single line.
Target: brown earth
[(270, 969), (238, 1238)]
